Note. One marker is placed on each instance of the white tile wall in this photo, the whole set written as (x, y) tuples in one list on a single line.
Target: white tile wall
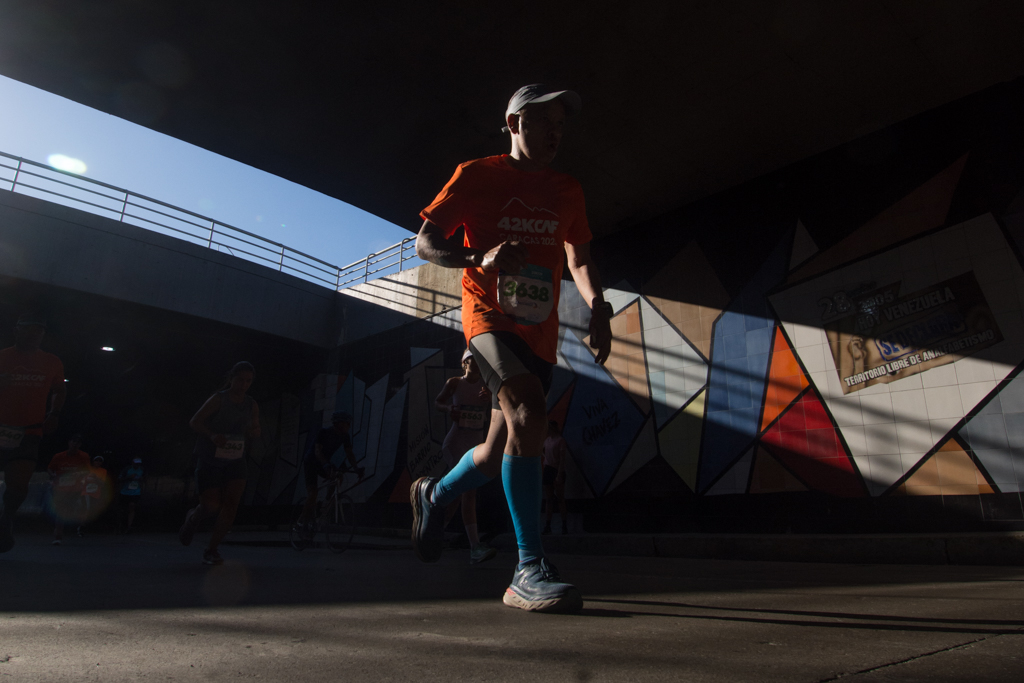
[(903, 420)]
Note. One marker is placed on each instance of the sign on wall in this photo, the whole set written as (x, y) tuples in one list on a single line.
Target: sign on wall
[(883, 336)]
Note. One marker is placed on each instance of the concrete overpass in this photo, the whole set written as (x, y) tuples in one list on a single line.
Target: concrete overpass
[(376, 104)]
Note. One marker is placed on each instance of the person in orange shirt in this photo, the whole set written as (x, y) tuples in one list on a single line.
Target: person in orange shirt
[(522, 222), (67, 472), (32, 395)]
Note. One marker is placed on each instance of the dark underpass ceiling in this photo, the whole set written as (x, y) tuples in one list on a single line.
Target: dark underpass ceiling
[(375, 103)]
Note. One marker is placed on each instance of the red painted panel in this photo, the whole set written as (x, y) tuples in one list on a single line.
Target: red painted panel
[(804, 441)]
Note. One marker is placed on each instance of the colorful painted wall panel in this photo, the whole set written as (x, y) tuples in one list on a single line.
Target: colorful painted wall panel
[(995, 435), (804, 440), (679, 440), (786, 379), (739, 366), (950, 471), (768, 476), (902, 345)]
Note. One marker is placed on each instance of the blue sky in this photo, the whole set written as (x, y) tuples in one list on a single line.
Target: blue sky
[(35, 124)]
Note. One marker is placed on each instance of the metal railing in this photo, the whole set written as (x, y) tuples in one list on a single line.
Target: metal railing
[(63, 187)]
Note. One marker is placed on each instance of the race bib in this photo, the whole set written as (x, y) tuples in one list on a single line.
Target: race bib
[(471, 417), (68, 480), (92, 488), (233, 448), (133, 486), (10, 437), (529, 296)]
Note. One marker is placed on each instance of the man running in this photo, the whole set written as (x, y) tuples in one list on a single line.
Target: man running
[(522, 220), (32, 394)]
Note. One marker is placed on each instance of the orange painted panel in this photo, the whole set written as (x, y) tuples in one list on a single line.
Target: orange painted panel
[(950, 471), (785, 380)]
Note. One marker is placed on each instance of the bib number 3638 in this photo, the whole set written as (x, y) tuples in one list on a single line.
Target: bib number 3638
[(529, 296)]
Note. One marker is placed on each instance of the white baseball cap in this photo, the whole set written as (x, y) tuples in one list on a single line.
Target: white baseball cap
[(537, 93)]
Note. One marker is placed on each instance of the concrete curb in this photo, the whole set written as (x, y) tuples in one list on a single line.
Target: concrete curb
[(999, 548)]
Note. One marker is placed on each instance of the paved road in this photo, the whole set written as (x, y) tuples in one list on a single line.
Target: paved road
[(143, 608)]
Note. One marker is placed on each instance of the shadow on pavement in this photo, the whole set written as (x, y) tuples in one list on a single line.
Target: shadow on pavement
[(875, 622), (155, 572)]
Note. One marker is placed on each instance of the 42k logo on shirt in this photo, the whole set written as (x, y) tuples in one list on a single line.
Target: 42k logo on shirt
[(536, 225)]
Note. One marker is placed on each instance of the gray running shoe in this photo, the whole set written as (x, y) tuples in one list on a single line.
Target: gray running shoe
[(427, 521), (537, 588), (212, 557), (481, 553), (6, 533)]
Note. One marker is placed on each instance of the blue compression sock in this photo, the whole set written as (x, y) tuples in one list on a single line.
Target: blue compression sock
[(522, 478), (463, 477)]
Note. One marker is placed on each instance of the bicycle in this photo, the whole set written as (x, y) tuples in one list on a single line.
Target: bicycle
[(336, 519)]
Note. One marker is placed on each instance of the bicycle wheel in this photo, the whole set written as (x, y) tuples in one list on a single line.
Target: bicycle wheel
[(339, 523)]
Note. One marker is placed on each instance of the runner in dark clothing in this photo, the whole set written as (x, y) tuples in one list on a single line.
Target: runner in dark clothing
[(226, 424)]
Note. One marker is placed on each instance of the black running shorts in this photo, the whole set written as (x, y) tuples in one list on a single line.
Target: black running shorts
[(504, 355)]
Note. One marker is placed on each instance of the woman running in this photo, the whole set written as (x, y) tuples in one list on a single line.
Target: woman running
[(468, 401), (226, 424)]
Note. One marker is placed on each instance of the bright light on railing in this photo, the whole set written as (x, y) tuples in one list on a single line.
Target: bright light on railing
[(61, 182)]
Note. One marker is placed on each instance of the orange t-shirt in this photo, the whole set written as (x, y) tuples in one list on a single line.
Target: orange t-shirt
[(542, 210), (69, 470), (31, 377)]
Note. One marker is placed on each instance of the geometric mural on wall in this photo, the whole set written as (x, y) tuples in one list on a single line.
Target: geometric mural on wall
[(687, 292), (643, 450), (626, 361), (739, 368), (381, 446), (423, 457), (603, 420), (805, 442), (734, 480), (679, 440), (768, 476), (995, 436), (950, 471), (675, 369), (559, 410), (785, 380), (903, 344)]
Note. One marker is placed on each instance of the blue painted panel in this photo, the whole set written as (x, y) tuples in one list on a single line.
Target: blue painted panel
[(736, 383), (602, 421), (996, 435)]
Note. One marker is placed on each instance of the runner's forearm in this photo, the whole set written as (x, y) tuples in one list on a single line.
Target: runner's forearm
[(584, 273), (431, 245)]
